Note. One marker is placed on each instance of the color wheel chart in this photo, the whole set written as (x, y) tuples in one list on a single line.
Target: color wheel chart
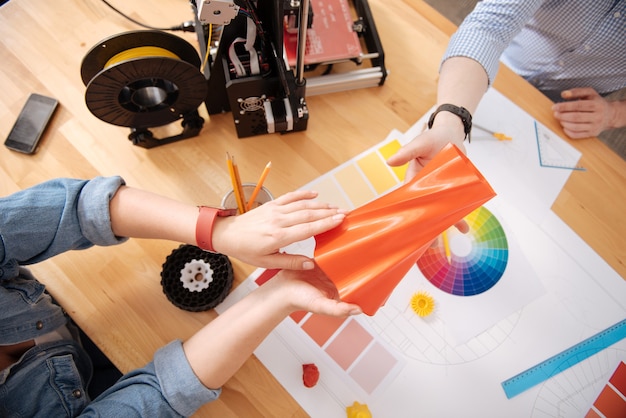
[(463, 328), (477, 259)]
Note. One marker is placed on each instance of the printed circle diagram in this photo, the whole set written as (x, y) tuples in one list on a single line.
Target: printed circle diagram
[(471, 263)]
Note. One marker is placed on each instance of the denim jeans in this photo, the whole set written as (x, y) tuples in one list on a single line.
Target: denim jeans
[(48, 381)]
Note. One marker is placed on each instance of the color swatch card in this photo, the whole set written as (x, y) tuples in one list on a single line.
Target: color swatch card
[(611, 402), (363, 178), (355, 362)]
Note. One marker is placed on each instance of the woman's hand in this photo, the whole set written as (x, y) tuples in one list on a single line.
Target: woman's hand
[(310, 291), (257, 236)]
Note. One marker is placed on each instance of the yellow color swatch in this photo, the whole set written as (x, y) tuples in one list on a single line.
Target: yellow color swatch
[(377, 172), (354, 185), (389, 149)]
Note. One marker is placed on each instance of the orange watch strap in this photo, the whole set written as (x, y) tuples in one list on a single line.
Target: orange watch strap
[(204, 225)]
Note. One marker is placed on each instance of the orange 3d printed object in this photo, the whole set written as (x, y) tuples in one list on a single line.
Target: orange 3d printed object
[(376, 245)]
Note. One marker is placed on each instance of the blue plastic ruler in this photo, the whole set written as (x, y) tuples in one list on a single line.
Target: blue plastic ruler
[(554, 152), (564, 360)]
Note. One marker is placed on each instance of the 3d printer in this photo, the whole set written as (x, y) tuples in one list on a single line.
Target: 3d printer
[(256, 54), (252, 73)]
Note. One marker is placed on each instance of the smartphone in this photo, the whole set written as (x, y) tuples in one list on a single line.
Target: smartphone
[(31, 123)]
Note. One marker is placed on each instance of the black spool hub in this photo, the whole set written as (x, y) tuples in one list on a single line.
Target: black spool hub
[(143, 92)]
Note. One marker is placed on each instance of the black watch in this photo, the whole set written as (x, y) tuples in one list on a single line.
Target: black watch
[(463, 113)]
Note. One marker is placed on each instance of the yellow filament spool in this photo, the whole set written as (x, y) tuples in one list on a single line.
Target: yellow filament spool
[(143, 79), (140, 52)]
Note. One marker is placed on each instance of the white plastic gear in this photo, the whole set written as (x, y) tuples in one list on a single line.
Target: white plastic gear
[(196, 275)]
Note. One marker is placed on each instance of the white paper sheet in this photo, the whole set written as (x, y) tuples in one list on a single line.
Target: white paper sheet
[(452, 363)]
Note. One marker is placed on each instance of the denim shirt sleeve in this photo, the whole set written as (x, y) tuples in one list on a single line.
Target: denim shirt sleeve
[(165, 387), (56, 216)]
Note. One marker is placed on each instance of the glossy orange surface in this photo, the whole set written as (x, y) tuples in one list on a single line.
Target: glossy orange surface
[(376, 245)]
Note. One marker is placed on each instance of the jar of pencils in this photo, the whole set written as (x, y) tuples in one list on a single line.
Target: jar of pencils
[(263, 195)]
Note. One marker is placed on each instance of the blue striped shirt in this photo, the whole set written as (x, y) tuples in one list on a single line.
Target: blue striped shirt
[(554, 44)]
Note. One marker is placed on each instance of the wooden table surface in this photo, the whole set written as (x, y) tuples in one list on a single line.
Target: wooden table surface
[(114, 294)]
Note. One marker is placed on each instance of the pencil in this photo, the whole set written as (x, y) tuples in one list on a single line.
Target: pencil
[(498, 135), (239, 188), (259, 185), (446, 245), (234, 178)]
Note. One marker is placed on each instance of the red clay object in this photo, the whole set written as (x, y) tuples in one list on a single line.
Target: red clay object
[(376, 245), (310, 375)]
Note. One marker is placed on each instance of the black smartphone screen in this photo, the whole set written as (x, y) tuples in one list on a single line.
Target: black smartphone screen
[(31, 123)]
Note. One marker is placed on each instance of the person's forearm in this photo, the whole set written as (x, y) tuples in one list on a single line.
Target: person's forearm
[(462, 82), (140, 214), (254, 237), (217, 351)]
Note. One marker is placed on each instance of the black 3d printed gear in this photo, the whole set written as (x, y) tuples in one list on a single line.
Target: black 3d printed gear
[(196, 280)]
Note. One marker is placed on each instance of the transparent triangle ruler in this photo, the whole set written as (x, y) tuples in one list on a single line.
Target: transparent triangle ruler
[(554, 152)]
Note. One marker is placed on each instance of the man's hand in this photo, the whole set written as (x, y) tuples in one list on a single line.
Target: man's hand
[(447, 128), (586, 113)]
